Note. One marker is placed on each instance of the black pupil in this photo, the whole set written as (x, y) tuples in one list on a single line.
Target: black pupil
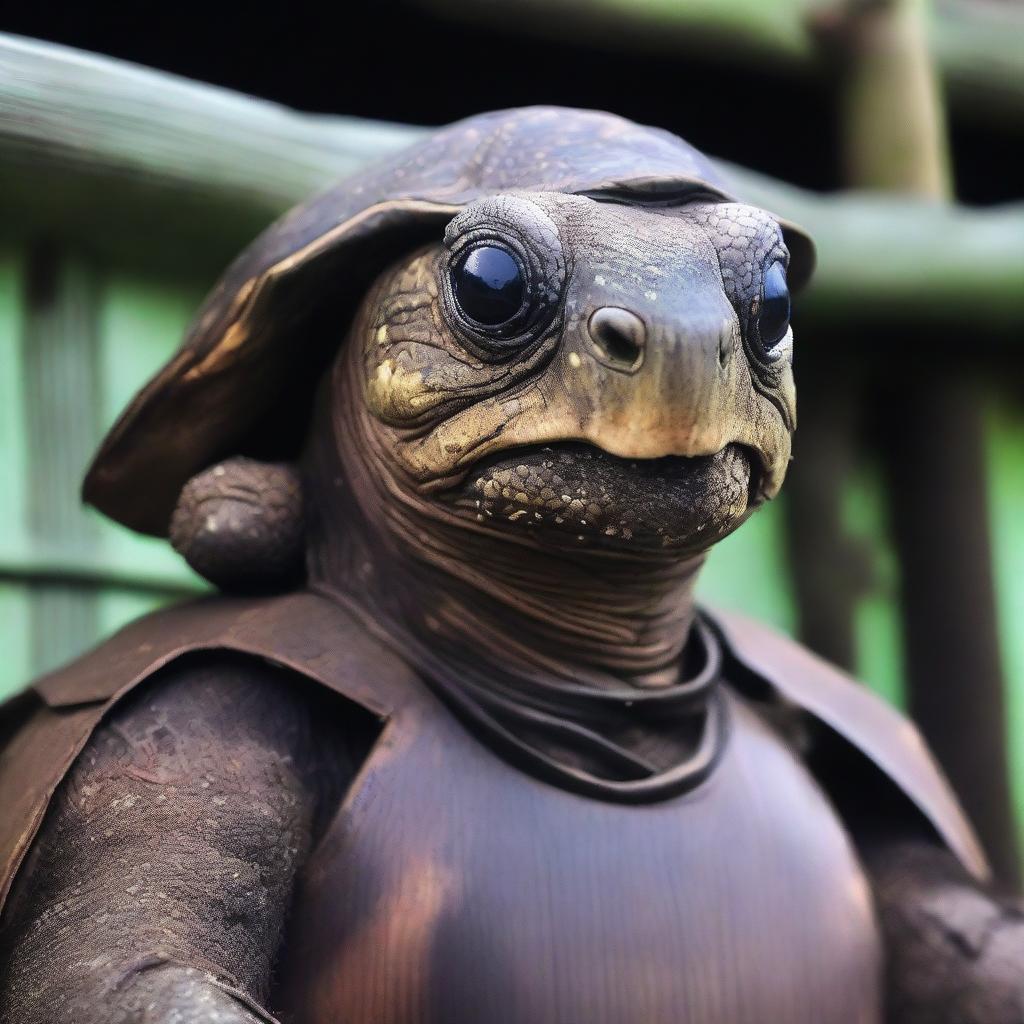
[(773, 317), (488, 284)]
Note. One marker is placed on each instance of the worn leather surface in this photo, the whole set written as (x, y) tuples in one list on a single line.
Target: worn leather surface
[(48, 725), (453, 886), (163, 871)]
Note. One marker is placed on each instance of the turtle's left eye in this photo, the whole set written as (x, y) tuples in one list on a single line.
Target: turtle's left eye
[(489, 285), (773, 310)]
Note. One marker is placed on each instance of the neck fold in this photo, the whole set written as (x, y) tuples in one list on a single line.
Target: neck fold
[(592, 619), (576, 663)]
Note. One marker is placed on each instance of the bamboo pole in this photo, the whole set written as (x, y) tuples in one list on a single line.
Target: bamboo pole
[(116, 157), (894, 125)]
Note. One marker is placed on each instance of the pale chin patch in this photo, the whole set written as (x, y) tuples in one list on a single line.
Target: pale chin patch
[(579, 495)]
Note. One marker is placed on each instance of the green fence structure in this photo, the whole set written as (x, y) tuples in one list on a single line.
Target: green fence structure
[(127, 190)]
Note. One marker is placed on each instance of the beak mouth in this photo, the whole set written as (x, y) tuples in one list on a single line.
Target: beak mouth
[(578, 494), (756, 474)]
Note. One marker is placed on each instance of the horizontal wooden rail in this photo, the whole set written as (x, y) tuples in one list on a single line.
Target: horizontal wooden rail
[(976, 43), (164, 171), (141, 166)]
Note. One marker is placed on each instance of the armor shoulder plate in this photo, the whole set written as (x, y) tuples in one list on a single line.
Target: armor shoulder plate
[(851, 711)]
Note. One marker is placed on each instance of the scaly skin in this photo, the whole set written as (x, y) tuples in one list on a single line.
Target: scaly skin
[(583, 568)]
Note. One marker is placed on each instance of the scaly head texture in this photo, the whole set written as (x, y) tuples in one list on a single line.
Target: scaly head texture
[(537, 427)]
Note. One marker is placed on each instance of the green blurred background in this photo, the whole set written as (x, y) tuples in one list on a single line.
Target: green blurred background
[(885, 126)]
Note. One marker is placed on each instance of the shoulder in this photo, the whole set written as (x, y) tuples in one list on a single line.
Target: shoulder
[(758, 655), (290, 644), (216, 722)]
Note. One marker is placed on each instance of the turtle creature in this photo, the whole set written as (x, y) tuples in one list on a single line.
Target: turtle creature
[(454, 743)]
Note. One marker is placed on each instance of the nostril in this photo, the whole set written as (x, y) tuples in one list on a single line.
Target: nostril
[(618, 335)]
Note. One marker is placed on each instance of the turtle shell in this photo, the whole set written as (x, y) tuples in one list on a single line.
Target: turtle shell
[(242, 381)]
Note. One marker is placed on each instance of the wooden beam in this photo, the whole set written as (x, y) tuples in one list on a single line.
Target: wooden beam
[(127, 159), (144, 168)]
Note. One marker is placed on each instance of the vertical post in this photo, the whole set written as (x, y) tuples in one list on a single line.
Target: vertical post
[(59, 358), (893, 121), (830, 569), (895, 140)]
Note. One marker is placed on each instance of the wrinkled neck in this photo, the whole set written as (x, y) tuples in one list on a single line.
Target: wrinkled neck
[(475, 594)]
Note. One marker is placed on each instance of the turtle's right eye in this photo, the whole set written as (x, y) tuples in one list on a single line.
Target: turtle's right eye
[(500, 276), (489, 285)]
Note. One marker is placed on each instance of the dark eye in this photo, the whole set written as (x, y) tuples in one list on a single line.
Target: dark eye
[(773, 312), (489, 285)]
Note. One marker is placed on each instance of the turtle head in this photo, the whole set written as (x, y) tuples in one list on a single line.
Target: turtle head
[(586, 370), (554, 324)]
